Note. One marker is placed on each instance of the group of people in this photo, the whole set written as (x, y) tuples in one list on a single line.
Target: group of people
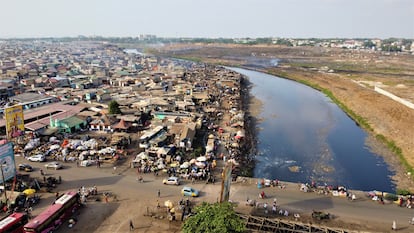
[(86, 192), (274, 208), (405, 203), (265, 205), (351, 196)]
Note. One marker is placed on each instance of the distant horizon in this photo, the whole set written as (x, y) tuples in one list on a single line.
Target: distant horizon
[(208, 18), (212, 38)]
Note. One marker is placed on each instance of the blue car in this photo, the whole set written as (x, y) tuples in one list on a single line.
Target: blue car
[(188, 191)]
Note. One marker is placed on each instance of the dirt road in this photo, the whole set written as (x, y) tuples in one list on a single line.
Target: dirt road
[(135, 200)]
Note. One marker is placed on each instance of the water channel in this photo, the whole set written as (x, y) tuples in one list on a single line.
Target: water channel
[(303, 136)]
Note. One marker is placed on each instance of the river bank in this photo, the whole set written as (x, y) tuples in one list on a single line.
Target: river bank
[(302, 137), (251, 107), (365, 105)]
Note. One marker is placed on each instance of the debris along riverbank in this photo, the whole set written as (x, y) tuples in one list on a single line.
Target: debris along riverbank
[(250, 106)]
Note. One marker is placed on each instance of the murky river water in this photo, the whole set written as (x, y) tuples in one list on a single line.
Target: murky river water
[(303, 136)]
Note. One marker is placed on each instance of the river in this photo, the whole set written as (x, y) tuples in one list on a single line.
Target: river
[(302, 137)]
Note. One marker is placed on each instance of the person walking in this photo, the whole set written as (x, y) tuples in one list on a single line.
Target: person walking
[(274, 209), (159, 193), (131, 225), (394, 225)]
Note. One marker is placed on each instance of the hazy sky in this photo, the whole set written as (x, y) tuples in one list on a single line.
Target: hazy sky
[(208, 18)]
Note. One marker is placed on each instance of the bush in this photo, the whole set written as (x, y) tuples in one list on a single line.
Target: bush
[(403, 192), (391, 197)]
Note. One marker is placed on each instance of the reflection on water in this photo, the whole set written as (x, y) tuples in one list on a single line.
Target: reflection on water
[(303, 136)]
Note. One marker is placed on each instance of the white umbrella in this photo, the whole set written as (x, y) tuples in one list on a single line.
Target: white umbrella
[(81, 148), (84, 153), (185, 165), (201, 159), (54, 147), (200, 164)]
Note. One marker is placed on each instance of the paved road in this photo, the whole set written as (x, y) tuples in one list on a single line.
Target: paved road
[(360, 211), (124, 183)]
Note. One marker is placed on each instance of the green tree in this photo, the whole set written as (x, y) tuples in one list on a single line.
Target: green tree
[(114, 107), (212, 218), (368, 44)]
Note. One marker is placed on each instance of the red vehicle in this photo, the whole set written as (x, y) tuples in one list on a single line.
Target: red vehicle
[(13, 223), (51, 218)]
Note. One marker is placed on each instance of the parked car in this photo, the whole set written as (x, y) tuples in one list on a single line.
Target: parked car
[(54, 165), (171, 180), (37, 158), (25, 167), (188, 191)]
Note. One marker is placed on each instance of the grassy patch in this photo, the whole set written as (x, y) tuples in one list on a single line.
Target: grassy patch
[(403, 192), (396, 150)]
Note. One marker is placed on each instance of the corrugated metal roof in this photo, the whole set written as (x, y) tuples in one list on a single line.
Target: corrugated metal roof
[(64, 110), (72, 121)]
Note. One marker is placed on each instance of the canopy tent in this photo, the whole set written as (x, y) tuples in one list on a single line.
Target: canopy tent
[(121, 125), (201, 158), (185, 165)]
